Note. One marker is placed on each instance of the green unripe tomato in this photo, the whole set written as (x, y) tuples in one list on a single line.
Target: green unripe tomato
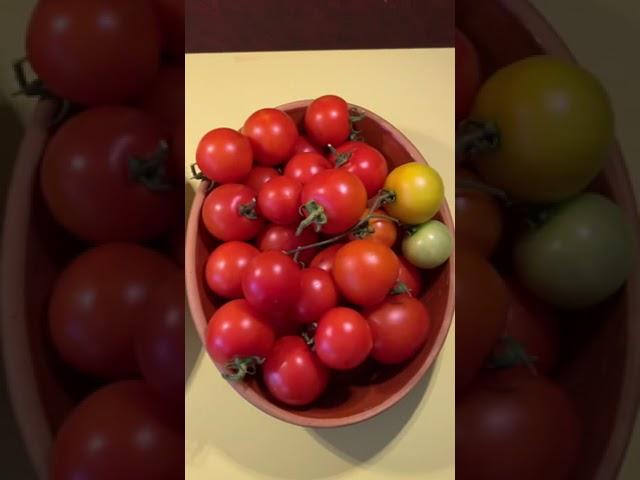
[(429, 246)]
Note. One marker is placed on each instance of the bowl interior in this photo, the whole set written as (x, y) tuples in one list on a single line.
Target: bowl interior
[(356, 395)]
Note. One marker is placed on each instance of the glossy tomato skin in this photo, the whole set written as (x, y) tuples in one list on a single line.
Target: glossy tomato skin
[(429, 246), (341, 195), (293, 374), (258, 176), (378, 230), (365, 162), (514, 424), (237, 330), (303, 145), (327, 121), (467, 74), (225, 267), (279, 200), (326, 258), (411, 276), (304, 166), (365, 271), (160, 340), (281, 238), (86, 177), (343, 339), (400, 326), (481, 314), (97, 304), (272, 134), (318, 294), (224, 156), (81, 57), (164, 97), (221, 213), (102, 438)]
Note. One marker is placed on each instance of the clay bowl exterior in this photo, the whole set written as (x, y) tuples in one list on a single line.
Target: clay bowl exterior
[(604, 366), (373, 389)]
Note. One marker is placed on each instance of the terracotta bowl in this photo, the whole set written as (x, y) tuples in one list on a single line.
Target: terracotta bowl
[(372, 389), (602, 369)]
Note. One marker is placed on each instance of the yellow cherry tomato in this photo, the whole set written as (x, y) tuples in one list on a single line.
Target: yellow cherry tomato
[(419, 193)]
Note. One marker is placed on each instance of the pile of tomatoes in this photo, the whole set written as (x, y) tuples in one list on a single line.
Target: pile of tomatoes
[(534, 247), (320, 249), (112, 177)]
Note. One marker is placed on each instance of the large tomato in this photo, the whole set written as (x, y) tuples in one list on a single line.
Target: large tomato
[(224, 156), (343, 339), (293, 374), (229, 213), (94, 52), (514, 424), (318, 294), (304, 166), (327, 121), (334, 201), (119, 431), (225, 267), (281, 238), (272, 134), (279, 200), (104, 179), (164, 97), (258, 176), (326, 258), (365, 162), (365, 271), (99, 301), (467, 74)]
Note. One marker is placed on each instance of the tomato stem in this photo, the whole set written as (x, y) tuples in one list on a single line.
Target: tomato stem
[(511, 353), (248, 210), (151, 171), (355, 115), (239, 368), (315, 215), (340, 158), (400, 288), (474, 137)]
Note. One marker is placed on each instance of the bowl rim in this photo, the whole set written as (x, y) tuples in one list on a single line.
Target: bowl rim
[(200, 321)]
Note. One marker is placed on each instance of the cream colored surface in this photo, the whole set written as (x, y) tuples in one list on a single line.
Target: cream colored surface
[(226, 437)]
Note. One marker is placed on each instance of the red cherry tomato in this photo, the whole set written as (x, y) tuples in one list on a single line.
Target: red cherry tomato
[(172, 22), (281, 238), (236, 330), (318, 294), (160, 340), (279, 200), (378, 230), (365, 162), (272, 134), (98, 302), (229, 214), (411, 276), (164, 97), (258, 176), (400, 327), (304, 146), (224, 155), (293, 374), (100, 180), (327, 121), (343, 339), (271, 284), (326, 258), (304, 166), (119, 431), (92, 52), (339, 200), (467, 74), (365, 271), (225, 267)]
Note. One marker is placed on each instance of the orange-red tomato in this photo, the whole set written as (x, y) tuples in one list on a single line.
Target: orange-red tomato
[(378, 230)]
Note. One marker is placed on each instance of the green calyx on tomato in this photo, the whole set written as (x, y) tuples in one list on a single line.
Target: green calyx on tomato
[(248, 210), (510, 353), (239, 368), (152, 170), (355, 115), (315, 216), (473, 137)]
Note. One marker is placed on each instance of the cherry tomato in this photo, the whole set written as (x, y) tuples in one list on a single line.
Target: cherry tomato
[(481, 314), (119, 431), (160, 340), (229, 214), (467, 74), (343, 339), (293, 374), (281, 238), (97, 303), (271, 284), (516, 425), (272, 134), (479, 219), (419, 193), (326, 258), (225, 267), (258, 176), (101, 181), (338, 200), (224, 155), (411, 276), (94, 53), (400, 327), (304, 146), (377, 229), (429, 246), (304, 166), (236, 330), (365, 271), (164, 97), (327, 121), (279, 200), (171, 14), (318, 294), (365, 162)]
